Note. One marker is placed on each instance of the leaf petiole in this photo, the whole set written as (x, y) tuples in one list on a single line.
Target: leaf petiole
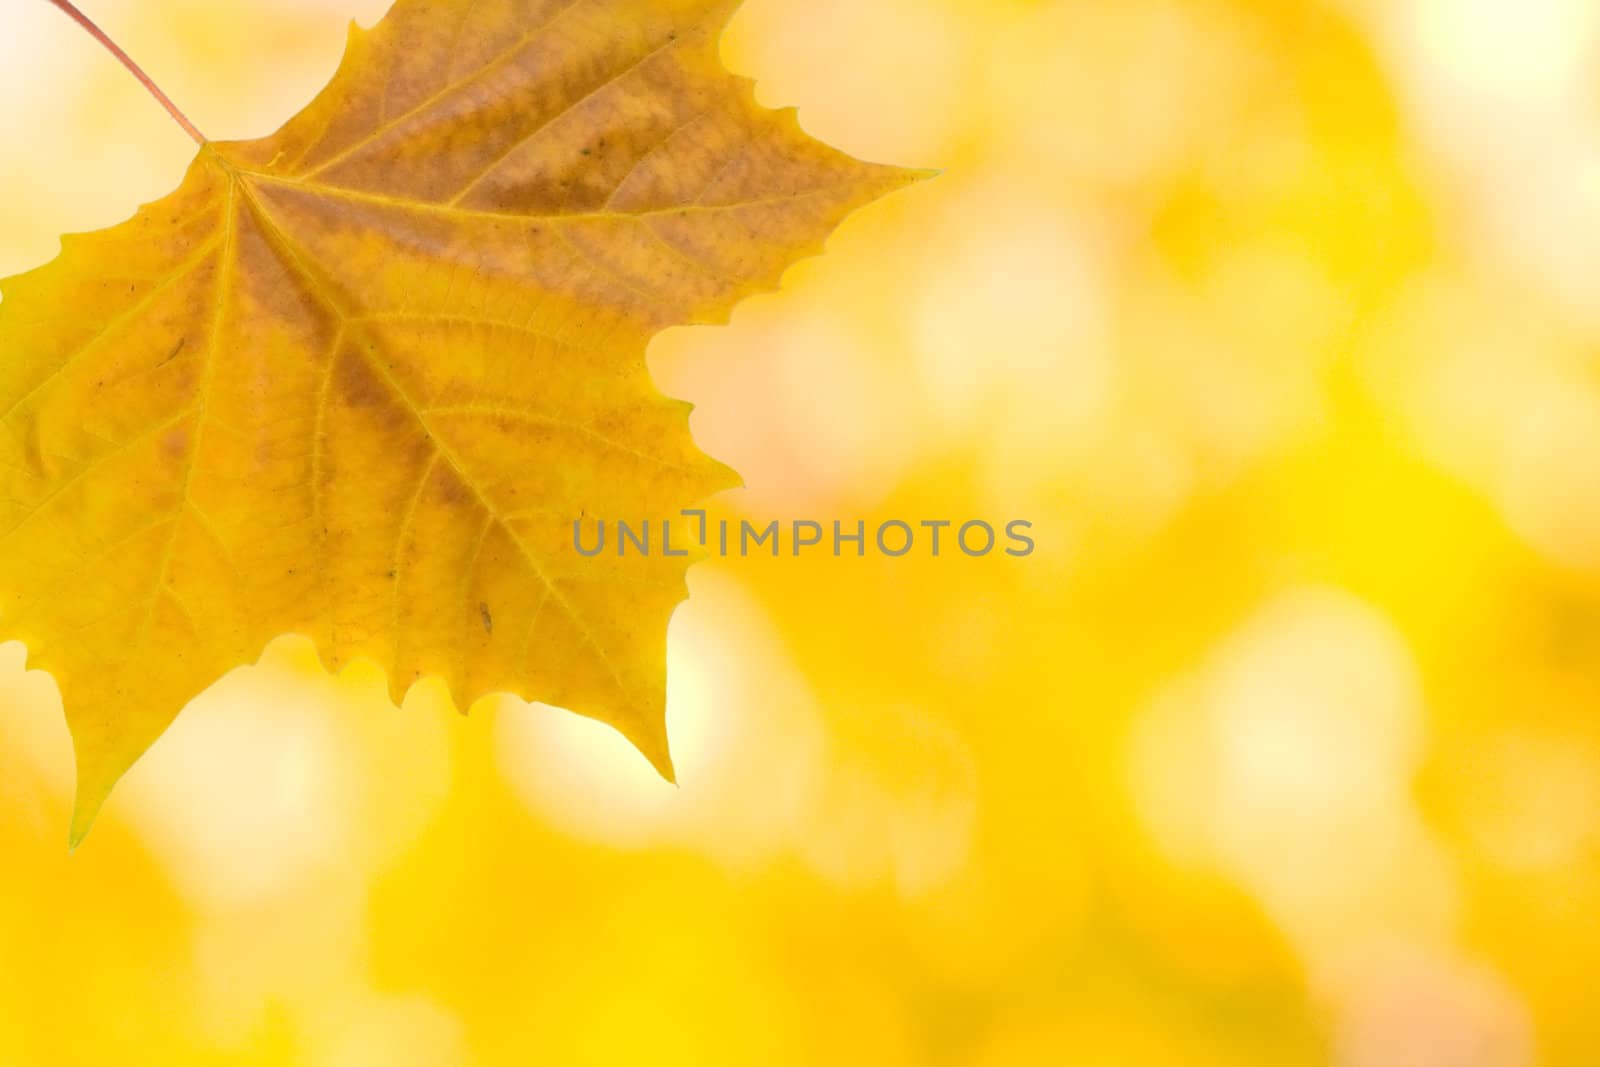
[(144, 79)]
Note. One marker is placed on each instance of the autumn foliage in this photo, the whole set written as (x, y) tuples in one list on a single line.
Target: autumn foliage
[(357, 380)]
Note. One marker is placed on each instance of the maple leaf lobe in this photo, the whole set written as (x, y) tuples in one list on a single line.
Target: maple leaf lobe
[(356, 379)]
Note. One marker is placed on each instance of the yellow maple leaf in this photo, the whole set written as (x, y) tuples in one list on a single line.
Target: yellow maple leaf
[(356, 380)]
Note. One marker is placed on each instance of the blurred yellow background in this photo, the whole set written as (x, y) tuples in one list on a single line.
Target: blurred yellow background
[(1278, 319)]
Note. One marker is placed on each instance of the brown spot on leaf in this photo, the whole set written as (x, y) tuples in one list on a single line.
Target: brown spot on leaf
[(175, 443), (359, 386)]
